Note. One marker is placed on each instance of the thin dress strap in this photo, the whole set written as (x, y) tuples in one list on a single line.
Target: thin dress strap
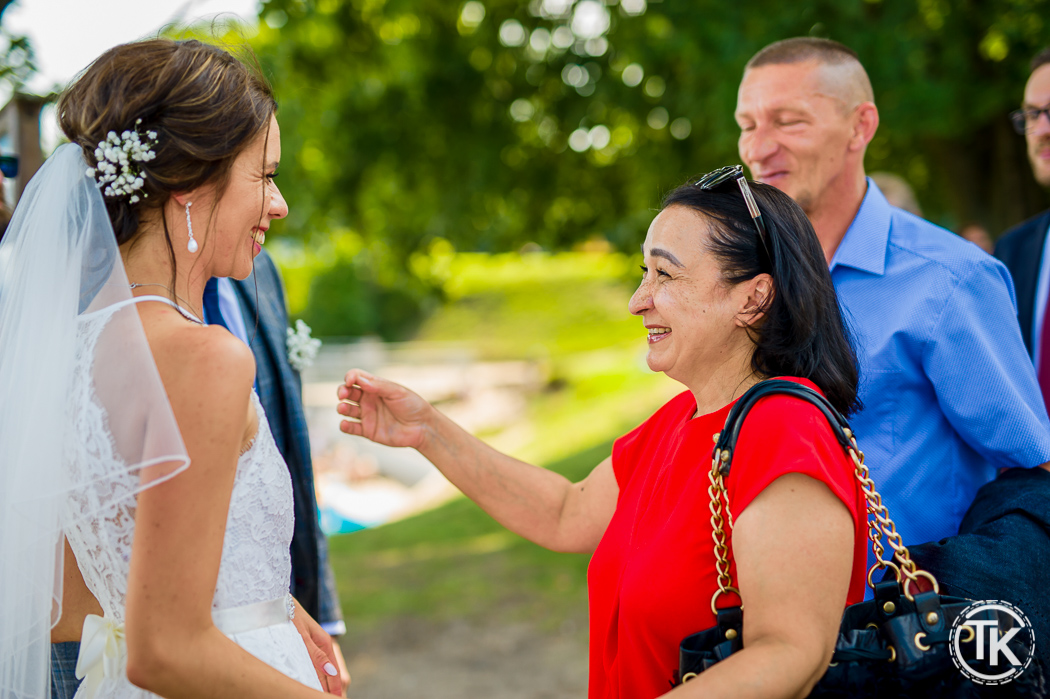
[(150, 297)]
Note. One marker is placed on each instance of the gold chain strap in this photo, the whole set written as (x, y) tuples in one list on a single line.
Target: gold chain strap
[(879, 525), (880, 520), (716, 491)]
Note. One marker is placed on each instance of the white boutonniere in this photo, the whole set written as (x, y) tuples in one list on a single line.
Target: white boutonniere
[(302, 349)]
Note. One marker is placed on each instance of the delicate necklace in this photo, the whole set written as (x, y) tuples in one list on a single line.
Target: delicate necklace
[(188, 315)]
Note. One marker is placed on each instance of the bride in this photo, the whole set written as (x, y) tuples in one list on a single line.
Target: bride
[(128, 428)]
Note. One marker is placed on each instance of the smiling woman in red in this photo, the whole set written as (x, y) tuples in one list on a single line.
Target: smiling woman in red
[(729, 299)]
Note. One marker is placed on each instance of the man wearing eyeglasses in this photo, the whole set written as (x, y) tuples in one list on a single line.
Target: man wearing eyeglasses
[(949, 394), (1023, 247)]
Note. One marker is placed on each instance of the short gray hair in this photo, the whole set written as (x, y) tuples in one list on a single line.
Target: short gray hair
[(803, 48), (825, 52)]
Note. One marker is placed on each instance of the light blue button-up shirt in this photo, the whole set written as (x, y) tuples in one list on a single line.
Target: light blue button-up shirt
[(950, 394)]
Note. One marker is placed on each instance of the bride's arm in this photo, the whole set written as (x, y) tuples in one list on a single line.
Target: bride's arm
[(174, 649)]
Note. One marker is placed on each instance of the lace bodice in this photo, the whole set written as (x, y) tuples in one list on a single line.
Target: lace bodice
[(255, 565), (256, 561)]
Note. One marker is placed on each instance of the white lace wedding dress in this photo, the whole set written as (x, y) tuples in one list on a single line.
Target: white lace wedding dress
[(252, 589)]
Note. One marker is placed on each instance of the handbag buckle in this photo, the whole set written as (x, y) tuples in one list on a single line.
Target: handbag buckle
[(727, 590), (920, 574)]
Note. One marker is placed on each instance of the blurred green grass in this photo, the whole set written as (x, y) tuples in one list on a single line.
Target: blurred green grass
[(455, 562)]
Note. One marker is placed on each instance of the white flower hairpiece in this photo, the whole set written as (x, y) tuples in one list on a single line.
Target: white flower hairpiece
[(302, 349), (116, 156)]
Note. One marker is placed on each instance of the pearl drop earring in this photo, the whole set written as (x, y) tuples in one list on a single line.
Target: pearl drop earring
[(192, 245)]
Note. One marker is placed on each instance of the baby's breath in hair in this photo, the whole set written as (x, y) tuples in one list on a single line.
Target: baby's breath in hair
[(116, 157)]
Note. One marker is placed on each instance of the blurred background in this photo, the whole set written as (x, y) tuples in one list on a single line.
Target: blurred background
[(469, 183)]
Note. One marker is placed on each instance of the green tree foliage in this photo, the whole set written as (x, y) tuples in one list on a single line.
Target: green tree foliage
[(347, 300), (17, 63), (499, 123)]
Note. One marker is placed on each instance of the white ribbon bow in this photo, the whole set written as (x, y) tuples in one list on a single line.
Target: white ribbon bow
[(103, 653)]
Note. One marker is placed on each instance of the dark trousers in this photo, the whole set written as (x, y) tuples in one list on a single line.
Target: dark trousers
[(1002, 551), (63, 664)]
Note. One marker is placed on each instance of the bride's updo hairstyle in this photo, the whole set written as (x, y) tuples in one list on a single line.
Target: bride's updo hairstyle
[(205, 105)]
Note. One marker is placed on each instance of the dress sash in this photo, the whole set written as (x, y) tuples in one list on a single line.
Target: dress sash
[(104, 650)]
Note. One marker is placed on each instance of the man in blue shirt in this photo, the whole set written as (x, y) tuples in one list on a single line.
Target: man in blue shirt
[(949, 393)]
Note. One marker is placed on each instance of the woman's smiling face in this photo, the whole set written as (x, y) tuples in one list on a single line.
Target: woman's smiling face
[(692, 316), (238, 224)]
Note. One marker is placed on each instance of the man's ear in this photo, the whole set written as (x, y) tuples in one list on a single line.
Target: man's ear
[(865, 124), (757, 301)]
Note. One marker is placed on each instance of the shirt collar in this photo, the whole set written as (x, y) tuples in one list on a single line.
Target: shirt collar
[(864, 245)]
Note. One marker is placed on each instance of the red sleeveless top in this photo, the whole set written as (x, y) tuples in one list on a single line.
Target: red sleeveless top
[(653, 574)]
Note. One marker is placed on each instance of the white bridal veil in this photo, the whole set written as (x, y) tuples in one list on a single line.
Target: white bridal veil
[(59, 267)]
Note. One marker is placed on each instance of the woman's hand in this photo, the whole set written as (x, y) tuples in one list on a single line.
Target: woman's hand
[(322, 653), (540, 505), (382, 411)]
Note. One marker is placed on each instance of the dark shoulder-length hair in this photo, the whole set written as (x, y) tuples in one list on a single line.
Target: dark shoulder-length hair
[(802, 332)]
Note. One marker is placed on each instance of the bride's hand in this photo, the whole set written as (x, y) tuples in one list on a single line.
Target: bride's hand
[(322, 654), (382, 411)]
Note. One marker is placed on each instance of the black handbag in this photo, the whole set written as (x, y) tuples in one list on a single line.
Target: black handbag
[(895, 645)]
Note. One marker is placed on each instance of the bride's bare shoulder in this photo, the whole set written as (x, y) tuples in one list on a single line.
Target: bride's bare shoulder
[(205, 362)]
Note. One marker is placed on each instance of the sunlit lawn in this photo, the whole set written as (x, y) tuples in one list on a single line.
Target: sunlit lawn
[(510, 305)]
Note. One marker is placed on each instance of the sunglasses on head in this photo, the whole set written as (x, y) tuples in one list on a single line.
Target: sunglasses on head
[(723, 175), (9, 165)]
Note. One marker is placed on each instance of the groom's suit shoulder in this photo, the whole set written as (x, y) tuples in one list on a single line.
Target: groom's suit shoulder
[(267, 276)]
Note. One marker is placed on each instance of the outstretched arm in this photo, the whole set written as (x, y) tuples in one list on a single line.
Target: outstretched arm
[(540, 505)]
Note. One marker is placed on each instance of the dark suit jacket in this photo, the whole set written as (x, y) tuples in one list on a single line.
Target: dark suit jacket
[(261, 296), (1021, 250), (1002, 551)]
